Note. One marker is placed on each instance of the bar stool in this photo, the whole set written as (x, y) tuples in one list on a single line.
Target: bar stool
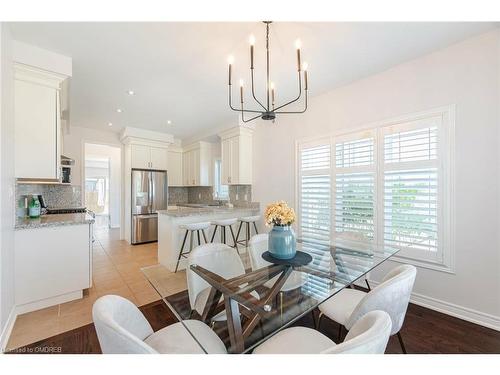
[(190, 229), (247, 220), (222, 224)]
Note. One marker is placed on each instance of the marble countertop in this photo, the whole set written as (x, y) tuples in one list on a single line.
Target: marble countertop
[(53, 221), (209, 210)]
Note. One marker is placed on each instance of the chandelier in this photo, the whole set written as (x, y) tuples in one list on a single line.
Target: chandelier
[(269, 110)]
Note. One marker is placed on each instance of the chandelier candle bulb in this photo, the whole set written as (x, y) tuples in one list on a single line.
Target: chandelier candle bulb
[(304, 68), (252, 43), (241, 91), (298, 44)]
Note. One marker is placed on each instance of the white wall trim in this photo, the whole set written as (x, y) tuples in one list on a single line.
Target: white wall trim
[(7, 330), (457, 311)]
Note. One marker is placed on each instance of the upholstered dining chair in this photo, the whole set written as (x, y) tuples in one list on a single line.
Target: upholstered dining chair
[(218, 258), (392, 296), (369, 335), (122, 329)]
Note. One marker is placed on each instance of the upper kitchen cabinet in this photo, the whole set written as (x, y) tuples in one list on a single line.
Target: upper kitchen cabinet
[(37, 117), (174, 167), (148, 157), (236, 156), (196, 162)]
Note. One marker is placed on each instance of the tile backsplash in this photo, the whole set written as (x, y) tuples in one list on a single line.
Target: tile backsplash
[(55, 196), (238, 194)]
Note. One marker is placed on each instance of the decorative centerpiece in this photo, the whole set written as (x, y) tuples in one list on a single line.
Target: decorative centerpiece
[(281, 243)]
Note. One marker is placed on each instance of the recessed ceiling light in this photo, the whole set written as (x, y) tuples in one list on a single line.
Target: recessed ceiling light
[(169, 122), (110, 124), (131, 92), (119, 110)]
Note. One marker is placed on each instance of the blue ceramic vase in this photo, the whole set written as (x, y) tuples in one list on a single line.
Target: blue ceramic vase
[(281, 242)]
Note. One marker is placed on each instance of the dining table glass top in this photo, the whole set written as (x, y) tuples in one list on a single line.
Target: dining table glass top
[(250, 308)]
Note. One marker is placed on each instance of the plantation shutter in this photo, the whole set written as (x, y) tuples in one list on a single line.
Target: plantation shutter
[(355, 187), (412, 188), (314, 211)]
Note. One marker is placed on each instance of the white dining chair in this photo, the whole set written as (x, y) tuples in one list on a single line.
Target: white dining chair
[(122, 329), (369, 335), (257, 246), (219, 259), (392, 296)]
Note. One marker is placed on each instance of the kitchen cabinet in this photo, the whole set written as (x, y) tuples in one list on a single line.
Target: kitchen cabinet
[(37, 117), (236, 156), (148, 157), (196, 162), (175, 168), (52, 264)]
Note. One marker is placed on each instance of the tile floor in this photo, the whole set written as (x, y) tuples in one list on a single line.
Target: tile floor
[(116, 270)]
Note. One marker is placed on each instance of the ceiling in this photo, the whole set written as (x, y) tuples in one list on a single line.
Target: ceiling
[(178, 71)]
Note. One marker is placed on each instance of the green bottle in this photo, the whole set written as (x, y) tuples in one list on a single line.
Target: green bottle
[(34, 207)]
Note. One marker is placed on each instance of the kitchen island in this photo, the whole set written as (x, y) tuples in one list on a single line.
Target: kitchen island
[(170, 234)]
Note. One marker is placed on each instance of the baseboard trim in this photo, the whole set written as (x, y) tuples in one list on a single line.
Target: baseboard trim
[(457, 311), (7, 330), (57, 300)]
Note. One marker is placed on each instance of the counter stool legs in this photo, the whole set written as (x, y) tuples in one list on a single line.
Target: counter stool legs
[(223, 235), (191, 234), (248, 231)]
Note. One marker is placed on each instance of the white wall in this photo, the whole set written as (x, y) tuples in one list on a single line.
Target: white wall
[(7, 184), (113, 154), (465, 74)]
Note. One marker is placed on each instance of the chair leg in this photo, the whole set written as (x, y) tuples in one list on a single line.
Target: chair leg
[(367, 285), (401, 342), (234, 239), (213, 234), (239, 230), (315, 321), (191, 233), (199, 240), (248, 234), (204, 235), (340, 332), (180, 252), (318, 322), (255, 227)]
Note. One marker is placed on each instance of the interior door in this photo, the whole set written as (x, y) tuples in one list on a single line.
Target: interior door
[(141, 194), (159, 191)]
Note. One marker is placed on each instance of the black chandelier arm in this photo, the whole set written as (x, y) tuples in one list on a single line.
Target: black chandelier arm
[(243, 115), (294, 100), (295, 112), (253, 94), (238, 109)]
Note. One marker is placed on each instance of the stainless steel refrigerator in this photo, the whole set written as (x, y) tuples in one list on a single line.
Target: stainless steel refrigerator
[(149, 194)]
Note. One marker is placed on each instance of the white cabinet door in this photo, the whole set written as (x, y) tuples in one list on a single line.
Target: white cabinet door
[(226, 160), (195, 165), (186, 168), (36, 131), (50, 262), (174, 168), (141, 157), (234, 176), (159, 158)]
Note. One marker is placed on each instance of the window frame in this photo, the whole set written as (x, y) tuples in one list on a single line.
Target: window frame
[(445, 261)]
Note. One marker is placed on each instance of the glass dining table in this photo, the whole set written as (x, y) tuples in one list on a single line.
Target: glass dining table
[(260, 302)]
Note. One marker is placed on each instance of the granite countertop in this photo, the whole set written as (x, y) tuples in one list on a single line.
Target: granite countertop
[(53, 220), (209, 210)]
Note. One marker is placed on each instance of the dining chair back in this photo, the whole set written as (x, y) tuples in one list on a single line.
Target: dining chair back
[(257, 246), (392, 296), (215, 257), (120, 326), (369, 335)]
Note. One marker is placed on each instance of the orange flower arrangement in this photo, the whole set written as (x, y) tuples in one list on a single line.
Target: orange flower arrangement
[(278, 213)]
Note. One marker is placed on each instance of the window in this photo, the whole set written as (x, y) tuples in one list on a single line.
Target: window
[(221, 192), (354, 187), (389, 185)]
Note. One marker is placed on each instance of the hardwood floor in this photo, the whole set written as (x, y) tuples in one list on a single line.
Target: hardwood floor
[(424, 331)]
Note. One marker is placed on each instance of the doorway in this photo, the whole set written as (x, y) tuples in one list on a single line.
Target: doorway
[(102, 176)]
